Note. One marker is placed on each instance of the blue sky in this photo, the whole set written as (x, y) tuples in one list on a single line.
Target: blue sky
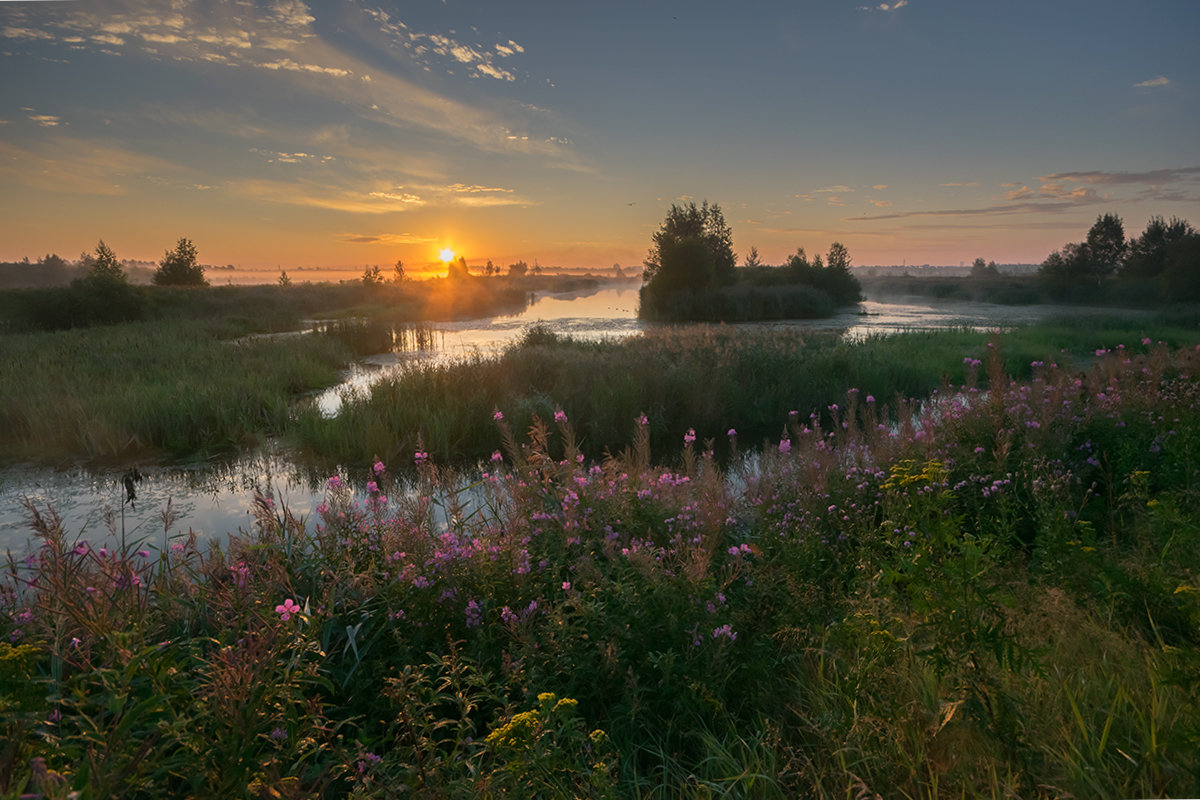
[(350, 132)]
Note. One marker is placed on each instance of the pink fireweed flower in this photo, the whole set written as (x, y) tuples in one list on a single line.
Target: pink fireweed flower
[(378, 468), (498, 416), (420, 457), (785, 445), (334, 482), (560, 416), (690, 436), (496, 457), (286, 609), (725, 632), (642, 420), (566, 585), (372, 487), (731, 433)]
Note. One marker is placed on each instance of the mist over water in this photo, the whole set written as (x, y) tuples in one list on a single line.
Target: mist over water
[(214, 499)]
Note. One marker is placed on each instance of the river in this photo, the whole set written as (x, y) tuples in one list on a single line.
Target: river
[(214, 499)]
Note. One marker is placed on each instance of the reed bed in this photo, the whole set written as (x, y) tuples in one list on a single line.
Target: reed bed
[(150, 388), (991, 593), (706, 378)]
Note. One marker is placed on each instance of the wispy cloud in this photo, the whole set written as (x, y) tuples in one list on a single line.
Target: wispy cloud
[(1156, 177), (59, 163), (280, 37), (445, 52), (1061, 192), (1014, 208), (1054, 191), (885, 7), (358, 194), (1153, 83), (383, 238), (46, 120), (959, 185), (331, 197)]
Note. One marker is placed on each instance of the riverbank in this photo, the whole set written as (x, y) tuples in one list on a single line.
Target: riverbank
[(994, 595)]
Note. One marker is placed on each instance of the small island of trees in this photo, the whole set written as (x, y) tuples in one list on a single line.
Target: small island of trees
[(690, 274)]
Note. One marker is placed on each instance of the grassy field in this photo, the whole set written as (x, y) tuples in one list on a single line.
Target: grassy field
[(994, 592)]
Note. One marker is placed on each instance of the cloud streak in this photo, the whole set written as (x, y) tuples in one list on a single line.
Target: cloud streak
[(60, 163), (1062, 192), (281, 38), (1153, 83), (1156, 177)]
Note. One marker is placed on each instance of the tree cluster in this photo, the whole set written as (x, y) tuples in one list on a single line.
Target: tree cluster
[(49, 270), (180, 267), (690, 274), (102, 293), (1163, 263)]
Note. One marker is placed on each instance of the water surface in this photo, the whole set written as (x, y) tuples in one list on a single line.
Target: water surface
[(215, 498)]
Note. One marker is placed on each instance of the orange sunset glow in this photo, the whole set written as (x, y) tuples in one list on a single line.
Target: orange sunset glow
[(402, 121)]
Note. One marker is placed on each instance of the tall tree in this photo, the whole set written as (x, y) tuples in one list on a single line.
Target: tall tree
[(372, 277), (705, 224), (838, 257), (103, 267), (1147, 254), (104, 294), (180, 267), (836, 278), (1105, 245)]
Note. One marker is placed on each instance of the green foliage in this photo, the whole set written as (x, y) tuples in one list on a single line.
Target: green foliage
[(102, 296), (180, 267), (1105, 245), (1161, 265), (372, 277), (988, 592), (692, 251), (685, 287), (546, 752)]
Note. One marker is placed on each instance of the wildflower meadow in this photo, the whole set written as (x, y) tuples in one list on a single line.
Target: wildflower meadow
[(990, 591)]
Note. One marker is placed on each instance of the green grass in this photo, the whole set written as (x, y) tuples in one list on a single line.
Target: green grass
[(709, 379), (191, 379), (998, 595), (152, 387)]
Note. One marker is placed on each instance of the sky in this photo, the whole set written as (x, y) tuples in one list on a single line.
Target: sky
[(341, 133)]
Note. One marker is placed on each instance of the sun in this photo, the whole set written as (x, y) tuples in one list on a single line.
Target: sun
[(447, 255)]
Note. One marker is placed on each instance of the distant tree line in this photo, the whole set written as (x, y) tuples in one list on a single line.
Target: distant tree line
[(101, 293), (49, 270), (1160, 265), (691, 273)]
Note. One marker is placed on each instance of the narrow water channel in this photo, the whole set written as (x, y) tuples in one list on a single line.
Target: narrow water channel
[(214, 499)]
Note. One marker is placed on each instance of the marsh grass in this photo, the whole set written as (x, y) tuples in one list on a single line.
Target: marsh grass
[(706, 378), (153, 387), (992, 594)]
